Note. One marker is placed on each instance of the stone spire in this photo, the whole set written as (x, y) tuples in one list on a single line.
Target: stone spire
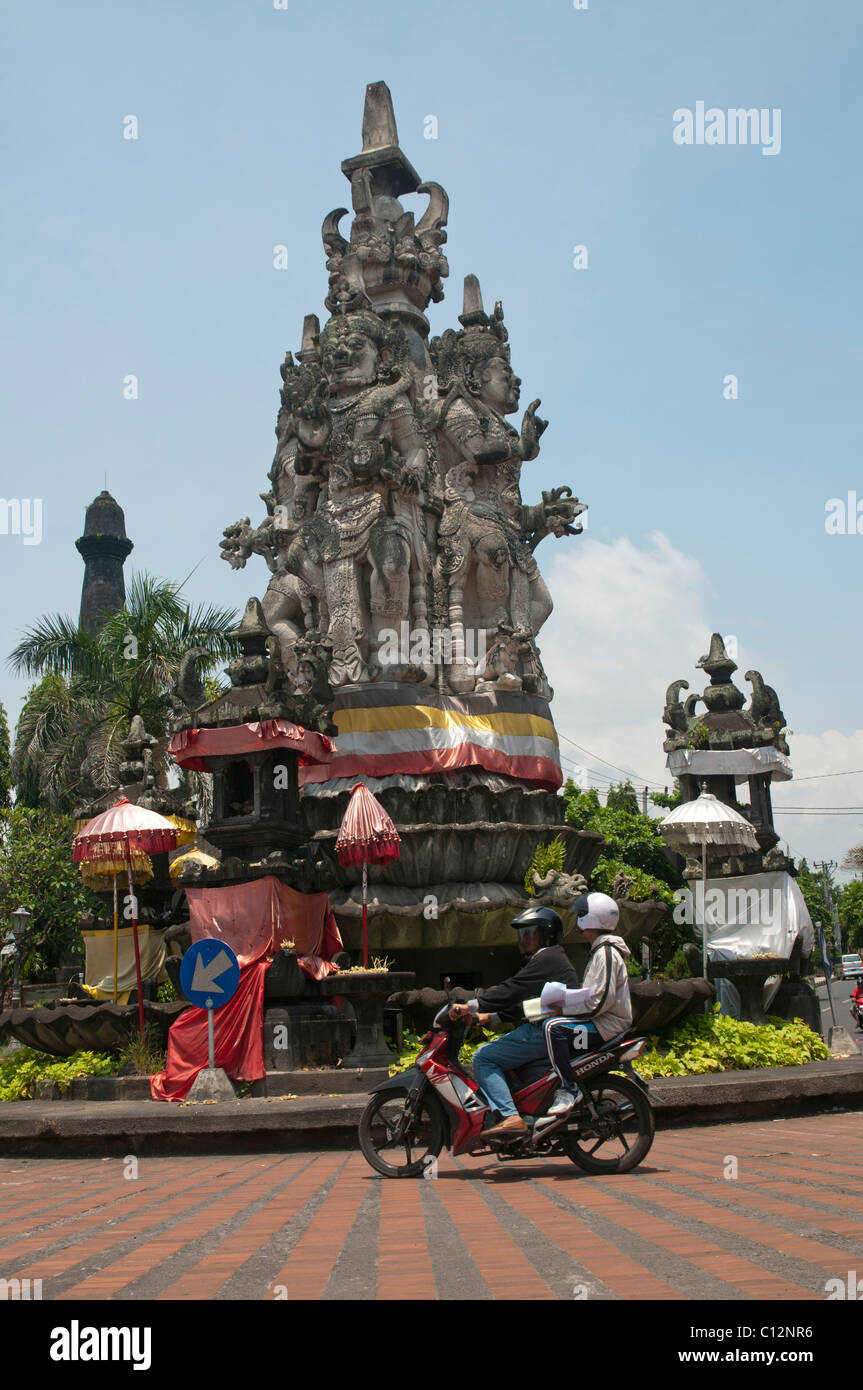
[(103, 547), (391, 172)]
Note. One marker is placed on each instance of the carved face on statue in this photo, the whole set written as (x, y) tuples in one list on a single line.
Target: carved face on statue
[(350, 358), (498, 385)]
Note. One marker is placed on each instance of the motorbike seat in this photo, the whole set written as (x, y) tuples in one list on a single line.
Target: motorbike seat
[(530, 1072)]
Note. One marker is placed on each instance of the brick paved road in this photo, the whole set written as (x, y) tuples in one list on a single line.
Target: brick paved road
[(323, 1226)]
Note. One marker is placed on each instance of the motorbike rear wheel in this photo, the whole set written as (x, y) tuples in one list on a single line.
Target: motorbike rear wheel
[(624, 1133), (418, 1147)]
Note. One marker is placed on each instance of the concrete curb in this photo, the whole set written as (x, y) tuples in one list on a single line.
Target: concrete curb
[(275, 1083), (43, 1129)]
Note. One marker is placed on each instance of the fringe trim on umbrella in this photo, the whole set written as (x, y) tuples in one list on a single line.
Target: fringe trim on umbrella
[(352, 851), (187, 828), (104, 846), (99, 874), (714, 833)]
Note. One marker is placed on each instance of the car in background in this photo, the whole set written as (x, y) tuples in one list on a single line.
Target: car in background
[(851, 965)]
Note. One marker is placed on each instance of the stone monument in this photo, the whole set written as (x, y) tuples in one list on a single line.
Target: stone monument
[(404, 589), (104, 548), (758, 924)]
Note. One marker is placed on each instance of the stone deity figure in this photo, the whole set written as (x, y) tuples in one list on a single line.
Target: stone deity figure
[(487, 535), (369, 533)]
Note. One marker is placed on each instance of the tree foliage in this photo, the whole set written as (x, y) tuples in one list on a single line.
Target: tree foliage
[(635, 846), (851, 913), (37, 872), (5, 762), (92, 684), (811, 885)]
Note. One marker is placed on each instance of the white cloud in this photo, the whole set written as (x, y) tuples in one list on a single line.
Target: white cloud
[(822, 837), (629, 619), (626, 622)]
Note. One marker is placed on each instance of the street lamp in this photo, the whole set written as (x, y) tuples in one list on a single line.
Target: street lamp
[(20, 917)]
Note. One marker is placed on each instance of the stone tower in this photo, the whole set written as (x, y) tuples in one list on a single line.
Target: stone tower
[(403, 584), (103, 547)]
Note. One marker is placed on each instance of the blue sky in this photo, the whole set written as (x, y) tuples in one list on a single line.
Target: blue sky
[(155, 257)]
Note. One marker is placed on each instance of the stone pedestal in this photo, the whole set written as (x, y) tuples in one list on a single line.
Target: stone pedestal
[(212, 1085), (307, 1034), (368, 991)]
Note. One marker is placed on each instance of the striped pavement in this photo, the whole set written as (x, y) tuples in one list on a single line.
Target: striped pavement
[(323, 1226)]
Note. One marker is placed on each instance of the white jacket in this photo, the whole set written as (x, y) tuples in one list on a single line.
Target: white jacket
[(608, 1004)]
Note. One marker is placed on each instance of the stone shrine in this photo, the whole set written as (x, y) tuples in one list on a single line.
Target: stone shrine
[(758, 925), (404, 589)]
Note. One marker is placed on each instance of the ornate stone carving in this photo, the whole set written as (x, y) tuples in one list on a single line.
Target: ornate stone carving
[(395, 503)]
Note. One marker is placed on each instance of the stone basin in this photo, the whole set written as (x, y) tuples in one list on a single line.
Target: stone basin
[(749, 975), (368, 991), (656, 1004)]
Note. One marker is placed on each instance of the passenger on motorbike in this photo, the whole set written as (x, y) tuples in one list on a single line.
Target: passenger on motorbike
[(540, 932), (586, 1018)]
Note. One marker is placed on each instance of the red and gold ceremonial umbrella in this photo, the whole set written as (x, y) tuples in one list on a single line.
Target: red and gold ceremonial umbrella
[(366, 836), (125, 830)]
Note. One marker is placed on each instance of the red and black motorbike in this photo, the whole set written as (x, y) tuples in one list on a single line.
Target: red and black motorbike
[(437, 1104)]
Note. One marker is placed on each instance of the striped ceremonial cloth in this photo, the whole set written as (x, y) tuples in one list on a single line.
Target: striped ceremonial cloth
[(391, 728)]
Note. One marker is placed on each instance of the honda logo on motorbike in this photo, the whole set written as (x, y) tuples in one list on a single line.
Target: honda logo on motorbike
[(596, 1063)]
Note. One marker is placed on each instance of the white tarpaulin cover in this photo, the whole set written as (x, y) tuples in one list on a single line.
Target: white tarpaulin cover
[(753, 915), (738, 762)]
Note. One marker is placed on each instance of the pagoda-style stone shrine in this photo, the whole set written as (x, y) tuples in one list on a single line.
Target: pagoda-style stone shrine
[(758, 924), (403, 579), (730, 743)]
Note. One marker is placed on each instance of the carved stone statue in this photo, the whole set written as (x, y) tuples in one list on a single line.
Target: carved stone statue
[(395, 500), (487, 536)]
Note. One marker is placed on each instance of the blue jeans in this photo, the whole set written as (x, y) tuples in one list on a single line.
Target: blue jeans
[(524, 1044)]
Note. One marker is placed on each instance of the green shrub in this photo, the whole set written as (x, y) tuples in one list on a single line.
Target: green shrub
[(715, 1042), (545, 857), (143, 1051), (413, 1046), (20, 1071), (644, 887)]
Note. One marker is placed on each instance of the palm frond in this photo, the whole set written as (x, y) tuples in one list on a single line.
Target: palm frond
[(56, 645)]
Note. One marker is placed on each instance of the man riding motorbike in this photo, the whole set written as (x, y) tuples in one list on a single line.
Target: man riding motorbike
[(857, 1001), (540, 933)]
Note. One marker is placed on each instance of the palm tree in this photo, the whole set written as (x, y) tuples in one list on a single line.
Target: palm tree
[(74, 720)]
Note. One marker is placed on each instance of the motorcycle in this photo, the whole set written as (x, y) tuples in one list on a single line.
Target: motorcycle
[(436, 1104), (857, 1012)]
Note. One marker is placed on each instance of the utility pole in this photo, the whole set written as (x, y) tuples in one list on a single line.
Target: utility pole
[(644, 802), (825, 867)]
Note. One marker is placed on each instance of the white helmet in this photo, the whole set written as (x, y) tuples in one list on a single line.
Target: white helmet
[(596, 912)]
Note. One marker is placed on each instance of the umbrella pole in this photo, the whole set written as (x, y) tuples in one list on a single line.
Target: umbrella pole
[(116, 938), (365, 916), (135, 941)]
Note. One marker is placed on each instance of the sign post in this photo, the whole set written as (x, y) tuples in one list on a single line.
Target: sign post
[(209, 977), (828, 968)]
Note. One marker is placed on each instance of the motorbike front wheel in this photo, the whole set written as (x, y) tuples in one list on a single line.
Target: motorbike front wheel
[(623, 1133), (416, 1147)]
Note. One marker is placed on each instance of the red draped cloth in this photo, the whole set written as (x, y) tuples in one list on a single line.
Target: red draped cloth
[(253, 919)]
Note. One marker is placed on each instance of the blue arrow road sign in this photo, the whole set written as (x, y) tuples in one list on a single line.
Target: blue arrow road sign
[(209, 973)]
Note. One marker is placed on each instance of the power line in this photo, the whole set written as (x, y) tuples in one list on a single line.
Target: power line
[(598, 759), (816, 777)]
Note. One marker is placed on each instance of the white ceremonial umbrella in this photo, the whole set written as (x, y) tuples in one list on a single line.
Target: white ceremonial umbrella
[(707, 821)]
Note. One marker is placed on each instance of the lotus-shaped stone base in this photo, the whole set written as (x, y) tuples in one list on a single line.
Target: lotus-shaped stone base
[(62, 1029)]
